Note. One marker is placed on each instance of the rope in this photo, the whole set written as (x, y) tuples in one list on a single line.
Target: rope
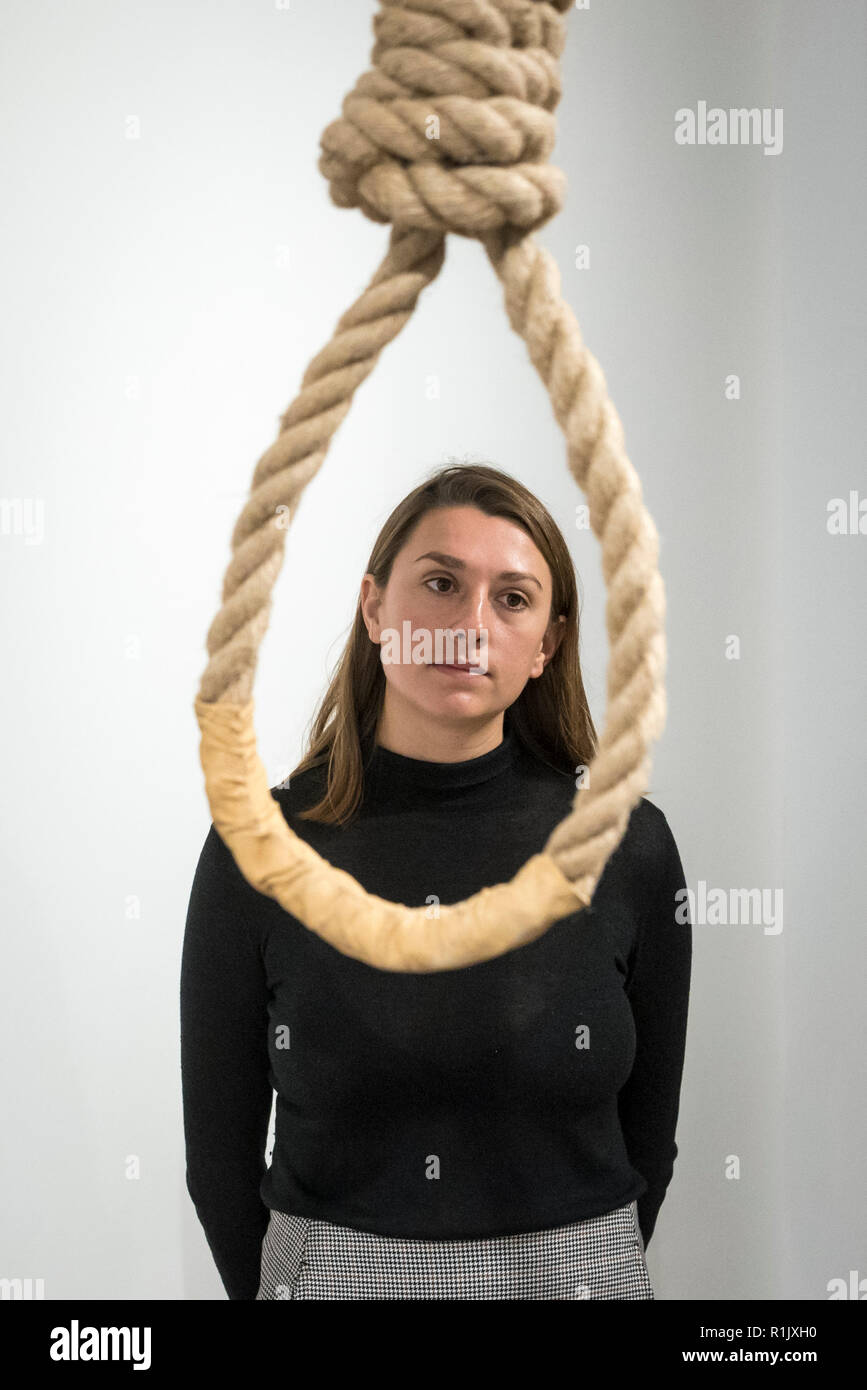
[(449, 132)]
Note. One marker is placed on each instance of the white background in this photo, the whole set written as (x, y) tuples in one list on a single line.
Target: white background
[(162, 297)]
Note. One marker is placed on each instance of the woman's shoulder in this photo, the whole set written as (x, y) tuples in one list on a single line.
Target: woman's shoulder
[(647, 855), (647, 842), (647, 830), (297, 791), (300, 793)]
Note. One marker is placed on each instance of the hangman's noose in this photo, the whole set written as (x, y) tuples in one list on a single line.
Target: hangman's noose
[(450, 132)]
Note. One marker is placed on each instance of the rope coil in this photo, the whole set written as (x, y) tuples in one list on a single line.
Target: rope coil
[(449, 132)]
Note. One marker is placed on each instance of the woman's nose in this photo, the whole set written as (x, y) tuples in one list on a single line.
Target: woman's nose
[(472, 618), (477, 609)]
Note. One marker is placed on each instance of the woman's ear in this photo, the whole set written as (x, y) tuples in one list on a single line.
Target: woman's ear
[(370, 600), (554, 634)]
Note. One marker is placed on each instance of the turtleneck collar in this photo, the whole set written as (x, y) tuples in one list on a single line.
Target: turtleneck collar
[(393, 774)]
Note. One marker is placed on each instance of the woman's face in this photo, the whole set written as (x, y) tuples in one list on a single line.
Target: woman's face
[(477, 575)]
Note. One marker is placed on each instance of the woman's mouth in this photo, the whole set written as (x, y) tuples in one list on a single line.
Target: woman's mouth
[(467, 672)]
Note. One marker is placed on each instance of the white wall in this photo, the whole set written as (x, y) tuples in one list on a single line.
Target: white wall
[(162, 298)]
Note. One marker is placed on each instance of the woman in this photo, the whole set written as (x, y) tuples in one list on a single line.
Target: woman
[(505, 1130)]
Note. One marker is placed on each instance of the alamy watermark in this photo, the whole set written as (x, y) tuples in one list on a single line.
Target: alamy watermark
[(721, 907), (442, 647), (737, 126)]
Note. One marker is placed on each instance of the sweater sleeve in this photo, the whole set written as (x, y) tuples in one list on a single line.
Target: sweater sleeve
[(225, 1075), (658, 990)]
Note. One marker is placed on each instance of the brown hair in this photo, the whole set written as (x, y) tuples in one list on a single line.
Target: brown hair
[(550, 716)]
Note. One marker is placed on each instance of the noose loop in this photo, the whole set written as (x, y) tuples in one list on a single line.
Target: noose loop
[(449, 132)]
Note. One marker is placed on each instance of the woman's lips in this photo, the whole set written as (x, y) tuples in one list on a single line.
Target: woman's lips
[(467, 672)]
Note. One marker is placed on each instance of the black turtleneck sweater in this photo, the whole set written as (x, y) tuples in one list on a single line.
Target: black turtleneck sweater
[(517, 1094)]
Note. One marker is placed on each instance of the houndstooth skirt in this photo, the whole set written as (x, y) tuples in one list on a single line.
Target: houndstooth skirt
[(601, 1258)]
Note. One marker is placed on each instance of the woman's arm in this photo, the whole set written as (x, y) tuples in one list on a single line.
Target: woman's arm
[(225, 1069), (658, 990)]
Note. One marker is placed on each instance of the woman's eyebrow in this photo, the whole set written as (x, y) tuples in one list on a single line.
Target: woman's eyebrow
[(457, 564)]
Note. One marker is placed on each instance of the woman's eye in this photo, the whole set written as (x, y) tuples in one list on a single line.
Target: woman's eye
[(514, 593)]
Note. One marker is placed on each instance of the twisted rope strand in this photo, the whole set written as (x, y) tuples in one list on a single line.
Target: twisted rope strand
[(580, 845)]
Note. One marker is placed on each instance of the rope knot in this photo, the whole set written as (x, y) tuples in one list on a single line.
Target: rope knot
[(452, 128)]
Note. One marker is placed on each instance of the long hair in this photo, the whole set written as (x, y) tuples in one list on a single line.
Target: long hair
[(550, 716)]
